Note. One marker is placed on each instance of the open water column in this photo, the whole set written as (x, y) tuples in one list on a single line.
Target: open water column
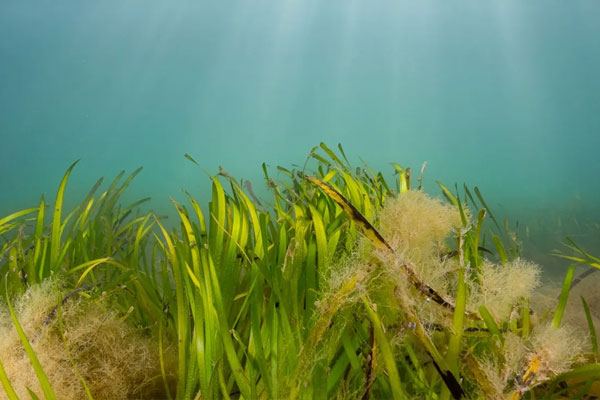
[(468, 264), (502, 95)]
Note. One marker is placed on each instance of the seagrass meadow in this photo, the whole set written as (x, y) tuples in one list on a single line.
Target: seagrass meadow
[(342, 284)]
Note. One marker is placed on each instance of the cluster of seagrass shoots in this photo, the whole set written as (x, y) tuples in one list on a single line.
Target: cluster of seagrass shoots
[(341, 285)]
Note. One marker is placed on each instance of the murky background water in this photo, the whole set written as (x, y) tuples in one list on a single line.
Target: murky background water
[(504, 95)]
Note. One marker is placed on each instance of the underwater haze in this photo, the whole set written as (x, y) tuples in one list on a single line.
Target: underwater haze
[(503, 95)]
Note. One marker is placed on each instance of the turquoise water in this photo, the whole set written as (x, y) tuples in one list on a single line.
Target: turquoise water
[(503, 95)]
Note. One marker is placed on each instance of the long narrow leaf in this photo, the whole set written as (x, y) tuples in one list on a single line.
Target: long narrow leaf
[(591, 326), (56, 218), (39, 371), (564, 297)]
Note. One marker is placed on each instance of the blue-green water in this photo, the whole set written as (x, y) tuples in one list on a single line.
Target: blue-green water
[(504, 95)]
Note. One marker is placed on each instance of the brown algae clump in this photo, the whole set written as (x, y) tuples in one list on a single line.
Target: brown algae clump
[(416, 225), (557, 349), (501, 287), (114, 358), (551, 350)]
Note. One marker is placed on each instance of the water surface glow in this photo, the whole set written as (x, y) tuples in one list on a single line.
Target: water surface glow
[(500, 94)]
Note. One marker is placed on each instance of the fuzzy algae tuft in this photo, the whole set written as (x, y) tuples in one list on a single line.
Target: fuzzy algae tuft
[(417, 225), (502, 287), (113, 358), (345, 288)]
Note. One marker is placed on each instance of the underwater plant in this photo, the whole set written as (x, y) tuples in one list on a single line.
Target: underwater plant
[(340, 286), (85, 348)]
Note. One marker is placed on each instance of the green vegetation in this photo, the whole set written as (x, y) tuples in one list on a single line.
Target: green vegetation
[(344, 286)]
